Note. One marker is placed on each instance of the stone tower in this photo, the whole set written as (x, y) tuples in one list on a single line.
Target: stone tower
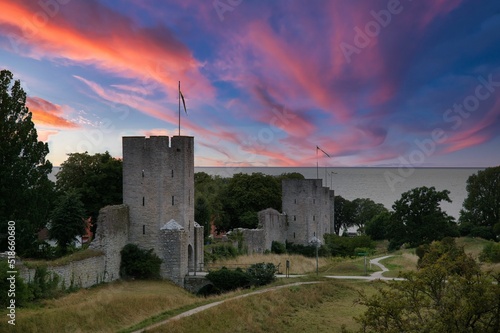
[(307, 206), (158, 187)]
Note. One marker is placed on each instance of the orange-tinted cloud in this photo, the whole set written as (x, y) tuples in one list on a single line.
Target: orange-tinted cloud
[(87, 32), (47, 113)]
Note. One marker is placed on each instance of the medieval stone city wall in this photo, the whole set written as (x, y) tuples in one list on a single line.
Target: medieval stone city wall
[(82, 274), (158, 214), (111, 236)]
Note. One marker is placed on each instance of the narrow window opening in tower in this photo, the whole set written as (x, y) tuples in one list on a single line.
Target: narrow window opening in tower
[(143, 201), (173, 200), (295, 201), (314, 201), (172, 173), (314, 217), (295, 218), (294, 235), (142, 173), (314, 234), (143, 229)]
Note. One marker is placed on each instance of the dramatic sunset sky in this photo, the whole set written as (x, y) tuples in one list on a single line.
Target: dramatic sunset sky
[(371, 82)]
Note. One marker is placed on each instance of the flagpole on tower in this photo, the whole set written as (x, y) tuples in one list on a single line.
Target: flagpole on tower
[(179, 108), (317, 163)]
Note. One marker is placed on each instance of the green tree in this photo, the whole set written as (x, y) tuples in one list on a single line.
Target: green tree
[(208, 191), (376, 228), (202, 213), (364, 210), (96, 178), (449, 293), (344, 214), (67, 220), (245, 195), (481, 209), (26, 193), (418, 218)]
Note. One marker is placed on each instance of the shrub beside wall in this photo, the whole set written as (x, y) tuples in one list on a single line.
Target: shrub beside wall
[(139, 264)]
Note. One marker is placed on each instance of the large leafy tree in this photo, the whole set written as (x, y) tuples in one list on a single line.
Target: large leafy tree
[(245, 195), (365, 210), (481, 208), (418, 218), (208, 205), (449, 293), (26, 193), (376, 228), (344, 214), (67, 220), (96, 178)]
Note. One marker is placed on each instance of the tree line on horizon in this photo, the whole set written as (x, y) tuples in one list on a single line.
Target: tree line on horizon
[(86, 183)]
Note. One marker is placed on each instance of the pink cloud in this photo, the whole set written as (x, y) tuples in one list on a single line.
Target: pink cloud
[(108, 41), (47, 113)]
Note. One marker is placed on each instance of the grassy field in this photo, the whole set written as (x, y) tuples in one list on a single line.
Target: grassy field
[(105, 308), (313, 308), (298, 264), (323, 307)]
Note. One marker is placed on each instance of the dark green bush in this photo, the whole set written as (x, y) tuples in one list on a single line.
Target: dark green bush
[(44, 284), (490, 253), (305, 250), (227, 280), (218, 251), (278, 248), (261, 274), (138, 263), (482, 232), (346, 246)]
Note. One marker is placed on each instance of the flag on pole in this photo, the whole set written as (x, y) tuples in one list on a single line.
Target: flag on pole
[(183, 101), (324, 152)]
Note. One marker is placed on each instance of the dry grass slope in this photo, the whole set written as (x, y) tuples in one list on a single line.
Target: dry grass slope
[(106, 308), (323, 307)]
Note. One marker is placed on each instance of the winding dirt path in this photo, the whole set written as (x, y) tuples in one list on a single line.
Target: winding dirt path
[(373, 276)]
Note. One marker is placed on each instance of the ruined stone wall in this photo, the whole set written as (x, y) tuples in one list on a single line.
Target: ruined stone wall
[(254, 240), (82, 274), (111, 236), (274, 225)]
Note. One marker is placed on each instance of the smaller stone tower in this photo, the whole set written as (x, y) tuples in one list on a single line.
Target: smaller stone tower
[(307, 206)]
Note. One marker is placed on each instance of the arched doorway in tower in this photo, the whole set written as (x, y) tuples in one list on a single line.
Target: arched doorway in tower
[(190, 258)]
